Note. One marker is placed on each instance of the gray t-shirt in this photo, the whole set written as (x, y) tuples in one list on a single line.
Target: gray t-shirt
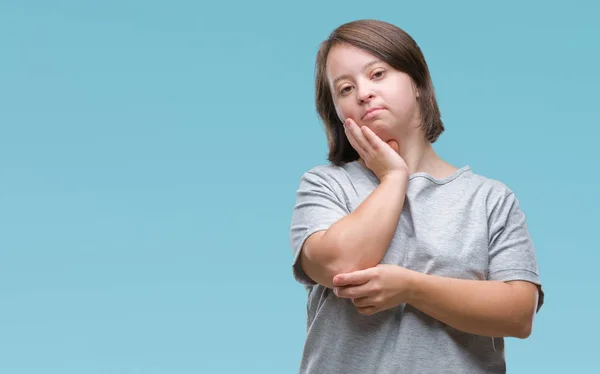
[(463, 226)]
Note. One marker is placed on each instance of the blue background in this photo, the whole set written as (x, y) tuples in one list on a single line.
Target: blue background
[(150, 152)]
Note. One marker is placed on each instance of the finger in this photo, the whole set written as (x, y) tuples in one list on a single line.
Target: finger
[(355, 278), (358, 135), (352, 292), (394, 144), (350, 134), (368, 310), (363, 302), (374, 141), (355, 136)]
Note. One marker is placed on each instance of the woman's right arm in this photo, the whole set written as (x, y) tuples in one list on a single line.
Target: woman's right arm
[(360, 239)]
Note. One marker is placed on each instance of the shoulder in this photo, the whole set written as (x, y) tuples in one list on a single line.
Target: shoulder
[(498, 197), (326, 170), (491, 186), (331, 174), (470, 184)]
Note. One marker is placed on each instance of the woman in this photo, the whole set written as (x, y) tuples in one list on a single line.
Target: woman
[(411, 264)]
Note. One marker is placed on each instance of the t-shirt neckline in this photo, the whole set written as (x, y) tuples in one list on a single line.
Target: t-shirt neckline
[(420, 174)]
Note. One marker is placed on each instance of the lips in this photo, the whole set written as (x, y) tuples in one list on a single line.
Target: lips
[(372, 112)]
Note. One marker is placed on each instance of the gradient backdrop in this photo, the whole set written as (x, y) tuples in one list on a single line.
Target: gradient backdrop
[(150, 153)]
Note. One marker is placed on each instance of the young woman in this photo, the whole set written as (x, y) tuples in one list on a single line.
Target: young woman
[(411, 264)]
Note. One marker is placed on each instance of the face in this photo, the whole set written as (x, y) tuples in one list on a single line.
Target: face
[(372, 93)]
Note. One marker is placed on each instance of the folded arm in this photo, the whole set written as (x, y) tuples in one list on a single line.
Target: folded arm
[(489, 308), (358, 240)]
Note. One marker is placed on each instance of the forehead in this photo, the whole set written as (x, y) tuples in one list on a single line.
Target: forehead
[(347, 59)]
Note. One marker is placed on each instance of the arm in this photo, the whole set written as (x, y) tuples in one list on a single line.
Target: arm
[(502, 305), (505, 303), (354, 242), (489, 308), (360, 239)]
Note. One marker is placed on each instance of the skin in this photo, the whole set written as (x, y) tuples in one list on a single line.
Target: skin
[(391, 144), (359, 82)]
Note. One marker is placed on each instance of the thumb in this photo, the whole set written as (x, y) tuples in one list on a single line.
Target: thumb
[(394, 144)]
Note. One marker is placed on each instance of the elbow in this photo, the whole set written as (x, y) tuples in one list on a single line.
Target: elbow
[(525, 322), (526, 329), (340, 261), (523, 328), (524, 309), (329, 255), (340, 266), (334, 254), (326, 271), (344, 257), (323, 262), (333, 262)]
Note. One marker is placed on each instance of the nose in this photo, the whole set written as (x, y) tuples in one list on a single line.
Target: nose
[(364, 94)]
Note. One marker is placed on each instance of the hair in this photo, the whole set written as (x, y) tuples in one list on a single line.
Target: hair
[(392, 45)]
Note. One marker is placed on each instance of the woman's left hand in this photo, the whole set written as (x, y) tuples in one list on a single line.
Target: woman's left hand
[(375, 289)]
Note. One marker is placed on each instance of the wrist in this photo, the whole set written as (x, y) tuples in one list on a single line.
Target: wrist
[(398, 176), (412, 284)]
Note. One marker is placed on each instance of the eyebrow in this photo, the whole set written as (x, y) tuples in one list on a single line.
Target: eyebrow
[(345, 76)]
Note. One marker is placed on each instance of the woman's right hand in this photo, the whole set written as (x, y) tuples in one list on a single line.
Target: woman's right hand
[(380, 157)]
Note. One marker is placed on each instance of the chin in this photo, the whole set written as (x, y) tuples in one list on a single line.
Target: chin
[(382, 129)]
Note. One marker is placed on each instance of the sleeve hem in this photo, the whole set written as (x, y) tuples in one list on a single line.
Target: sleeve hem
[(520, 275), (299, 274), (514, 274)]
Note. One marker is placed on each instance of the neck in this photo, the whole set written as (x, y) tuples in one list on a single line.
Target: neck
[(419, 155)]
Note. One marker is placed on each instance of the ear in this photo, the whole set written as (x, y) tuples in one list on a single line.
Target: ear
[(416, 89), (339, 114)]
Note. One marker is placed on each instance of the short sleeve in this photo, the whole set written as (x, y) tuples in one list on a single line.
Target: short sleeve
[(511, 251), (317, 207)]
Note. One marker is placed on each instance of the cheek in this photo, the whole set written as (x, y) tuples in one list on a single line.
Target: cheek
[(343, 111), (405, 101), (340, 114)]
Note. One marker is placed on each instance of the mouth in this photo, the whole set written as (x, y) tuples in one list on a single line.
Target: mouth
[(371, 113)]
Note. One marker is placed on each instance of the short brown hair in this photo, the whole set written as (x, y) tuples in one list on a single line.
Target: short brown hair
[(392, 45)]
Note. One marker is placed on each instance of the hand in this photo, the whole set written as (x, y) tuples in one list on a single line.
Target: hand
[(380, 157), (375, 289)]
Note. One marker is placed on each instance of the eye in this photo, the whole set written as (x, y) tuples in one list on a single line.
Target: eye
[(378, 74), (345, 90)]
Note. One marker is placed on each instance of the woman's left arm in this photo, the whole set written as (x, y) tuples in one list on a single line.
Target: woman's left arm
[(481, 307), (489, 308)]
